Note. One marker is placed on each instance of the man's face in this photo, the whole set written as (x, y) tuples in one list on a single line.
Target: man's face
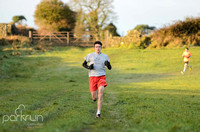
[(186, 50), (97, 48)]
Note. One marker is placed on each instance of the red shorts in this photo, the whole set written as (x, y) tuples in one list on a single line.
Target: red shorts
[(96, 82)]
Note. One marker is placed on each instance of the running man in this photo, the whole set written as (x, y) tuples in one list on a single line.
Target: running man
[(186, 55), (97, 80)]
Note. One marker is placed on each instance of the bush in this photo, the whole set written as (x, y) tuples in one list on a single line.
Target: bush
[(14, 40), (134, 40), (178, 34), (22, 30), (3, 42)]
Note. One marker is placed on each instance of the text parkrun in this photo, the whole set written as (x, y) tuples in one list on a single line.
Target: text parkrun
[(20, 117)]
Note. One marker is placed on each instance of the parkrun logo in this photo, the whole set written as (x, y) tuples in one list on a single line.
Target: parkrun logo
[(20, 117)]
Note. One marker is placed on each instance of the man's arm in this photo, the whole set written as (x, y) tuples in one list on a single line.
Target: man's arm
[(107, 63), (86, 66), (183, 54), (190, 55)]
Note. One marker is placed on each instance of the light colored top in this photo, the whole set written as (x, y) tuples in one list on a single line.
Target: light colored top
[(186, 56), (99, 63)]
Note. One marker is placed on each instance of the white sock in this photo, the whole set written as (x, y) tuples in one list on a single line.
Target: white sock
[(98, 112), (184, 69)]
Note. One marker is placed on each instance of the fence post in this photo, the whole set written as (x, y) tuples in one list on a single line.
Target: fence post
[(6, 30), (68, 43), (31, 35)]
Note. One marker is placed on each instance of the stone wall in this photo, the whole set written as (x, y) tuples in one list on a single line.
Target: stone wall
[(5, 29)]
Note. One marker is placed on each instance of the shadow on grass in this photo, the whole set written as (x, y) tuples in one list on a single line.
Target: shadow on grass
[(118, 77), (23, 67), (8, 50)]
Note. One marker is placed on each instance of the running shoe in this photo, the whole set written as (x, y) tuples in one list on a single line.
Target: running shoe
[(97, 115)]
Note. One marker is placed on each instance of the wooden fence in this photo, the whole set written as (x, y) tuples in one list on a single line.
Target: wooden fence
[(84, 39), (56, 37)]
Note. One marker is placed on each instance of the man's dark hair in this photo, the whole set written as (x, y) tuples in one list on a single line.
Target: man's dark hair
[(97, 42), (187, 48)]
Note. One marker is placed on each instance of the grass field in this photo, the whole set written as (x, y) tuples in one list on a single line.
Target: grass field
[(145, 92)]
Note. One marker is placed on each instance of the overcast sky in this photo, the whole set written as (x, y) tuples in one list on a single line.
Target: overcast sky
[(129, 12)]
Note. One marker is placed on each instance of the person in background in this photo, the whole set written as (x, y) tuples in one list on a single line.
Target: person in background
[(186, 58)]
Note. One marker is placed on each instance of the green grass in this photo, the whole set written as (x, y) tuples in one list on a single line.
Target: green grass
[(145, 91)]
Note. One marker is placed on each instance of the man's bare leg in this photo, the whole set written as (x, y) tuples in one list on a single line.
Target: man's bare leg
[(190, 68), (94, 95), (185, 66), (100, 99)]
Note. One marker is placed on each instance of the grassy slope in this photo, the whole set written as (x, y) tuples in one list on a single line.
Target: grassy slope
[(145, 91)]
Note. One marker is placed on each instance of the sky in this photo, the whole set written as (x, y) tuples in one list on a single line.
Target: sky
[(130, 13)]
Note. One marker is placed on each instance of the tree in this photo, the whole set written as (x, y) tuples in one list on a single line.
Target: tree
[(93, 15), (54, 15), (144, 29), (80, 25), (18, 19), (112, 29)]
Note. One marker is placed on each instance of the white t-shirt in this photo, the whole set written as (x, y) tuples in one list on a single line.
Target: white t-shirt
[(99, 63)]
